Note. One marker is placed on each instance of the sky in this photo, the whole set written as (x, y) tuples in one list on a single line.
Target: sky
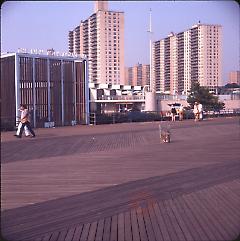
[(45, 24)]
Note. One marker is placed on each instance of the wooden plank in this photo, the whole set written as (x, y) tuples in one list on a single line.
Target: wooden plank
[(47, 237), (135, 228), (62, 235), (77, 233), (142, 228), (107, 229), (174, 221), (127, 226), (217, 217), (231, 197), (100, 227), (180, 221), (235, 187), (38, 239), (196, 230), (54, 236), (55, 220), (85, 232), (148, 225), (171, 230), (121, 227), (92, 231), (156, 229), (234, 197), (70, 234), (161, 222), (203, 221), (228, 223), (208, 215), (114, 227), (228, 207)]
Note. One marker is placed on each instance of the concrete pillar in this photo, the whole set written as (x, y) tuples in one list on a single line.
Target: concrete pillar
[(150, 101), (17, 85)]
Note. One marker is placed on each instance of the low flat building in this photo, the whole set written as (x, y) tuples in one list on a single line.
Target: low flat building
[(54, 88), (108, 98)]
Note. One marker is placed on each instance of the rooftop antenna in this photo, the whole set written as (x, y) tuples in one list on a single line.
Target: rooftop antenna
[(150, 40)]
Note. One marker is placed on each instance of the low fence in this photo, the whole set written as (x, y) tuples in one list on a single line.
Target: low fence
[(113, 118), (222, 113), (137, 116)]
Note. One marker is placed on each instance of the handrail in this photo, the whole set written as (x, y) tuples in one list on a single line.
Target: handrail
[(122, 97)]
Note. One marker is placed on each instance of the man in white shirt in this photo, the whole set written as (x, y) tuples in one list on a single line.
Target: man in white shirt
[(27, 132), (200, 109), (25, 121), (196, 111)]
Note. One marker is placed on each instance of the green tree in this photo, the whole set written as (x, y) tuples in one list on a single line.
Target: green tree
[(202, 95)]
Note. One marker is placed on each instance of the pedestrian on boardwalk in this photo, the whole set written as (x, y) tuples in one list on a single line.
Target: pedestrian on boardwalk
[(27, 132), (196, 111), (25, 121), (173, 113), (180, 112), (200, 109)]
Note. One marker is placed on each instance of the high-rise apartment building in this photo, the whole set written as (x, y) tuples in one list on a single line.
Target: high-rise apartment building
[(138, 75), (191, 55), (234, 77), (101, 39)]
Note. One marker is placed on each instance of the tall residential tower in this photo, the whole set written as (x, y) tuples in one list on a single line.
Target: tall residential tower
[(101, 39), (138, 75), (192, 55)]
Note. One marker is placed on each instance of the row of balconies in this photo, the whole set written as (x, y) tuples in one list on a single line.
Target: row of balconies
[(93, 37)]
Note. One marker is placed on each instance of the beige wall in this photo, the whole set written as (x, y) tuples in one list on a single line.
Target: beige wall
[(133, 78), (145, 75), (187, 62), (126, 76), (102, 40), (210, 64), (208, 59), (234, 77), (232, 104), (100, 5)]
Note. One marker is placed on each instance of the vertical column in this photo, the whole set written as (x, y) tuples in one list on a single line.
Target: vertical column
[(75, 90), (62, 88), (86, 91), (34, 92), (48, 90), (17, 84), (150, 50)]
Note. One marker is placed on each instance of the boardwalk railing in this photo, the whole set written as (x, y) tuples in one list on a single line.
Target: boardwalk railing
[(137, 116)]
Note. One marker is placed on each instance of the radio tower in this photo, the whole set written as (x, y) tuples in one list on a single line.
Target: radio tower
[(150, 40), (150, 95)]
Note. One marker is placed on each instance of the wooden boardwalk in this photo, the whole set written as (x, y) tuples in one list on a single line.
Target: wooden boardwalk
[(117, 182)]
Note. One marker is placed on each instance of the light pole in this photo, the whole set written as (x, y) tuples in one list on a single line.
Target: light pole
[(150, 95), (150, 51), (145, 86)]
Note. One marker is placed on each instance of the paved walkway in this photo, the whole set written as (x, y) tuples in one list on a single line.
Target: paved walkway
[(118, 182)]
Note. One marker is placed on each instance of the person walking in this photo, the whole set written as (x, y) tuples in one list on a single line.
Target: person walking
[(200, 109), (196, 111), (27, 132), (25, 121), (173, 113), (180, 112)]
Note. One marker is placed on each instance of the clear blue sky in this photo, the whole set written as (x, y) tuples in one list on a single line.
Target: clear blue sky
[(45, 24)]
